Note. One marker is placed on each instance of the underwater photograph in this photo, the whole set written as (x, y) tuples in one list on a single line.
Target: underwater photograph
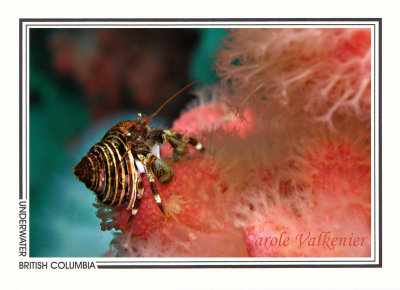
[(200, 142)]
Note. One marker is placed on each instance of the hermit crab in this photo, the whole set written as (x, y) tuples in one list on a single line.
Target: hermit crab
[(112, 168)]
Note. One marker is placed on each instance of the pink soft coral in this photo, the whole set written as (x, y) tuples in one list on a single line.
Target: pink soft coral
[(329, 191), (197, 206), (273, 169)]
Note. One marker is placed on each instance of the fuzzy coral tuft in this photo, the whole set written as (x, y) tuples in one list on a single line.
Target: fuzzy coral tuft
[(196, 203), (324, 72), (208, 112)]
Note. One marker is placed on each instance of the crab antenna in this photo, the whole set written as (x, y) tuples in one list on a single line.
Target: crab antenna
[(167, 101)]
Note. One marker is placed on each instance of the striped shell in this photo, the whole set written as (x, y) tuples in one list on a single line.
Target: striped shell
[(99, 169)]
